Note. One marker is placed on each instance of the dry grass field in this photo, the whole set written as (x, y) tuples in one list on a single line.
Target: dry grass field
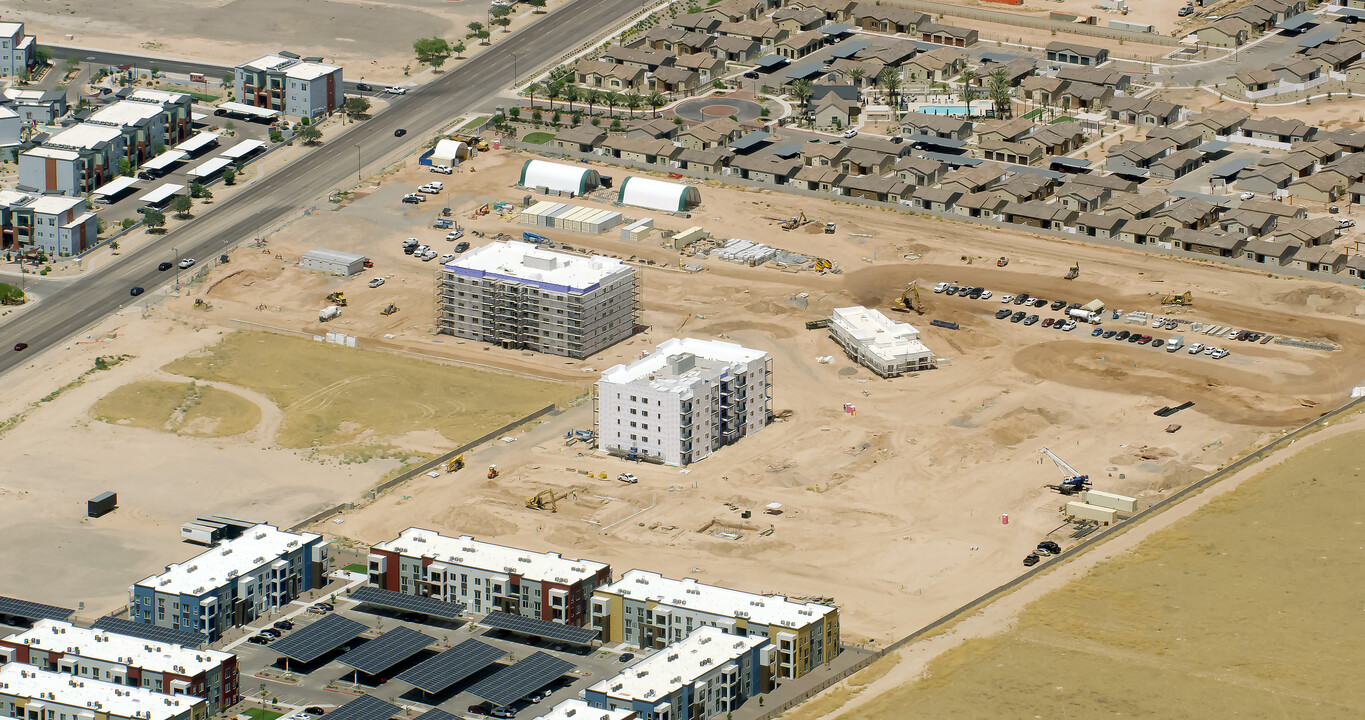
[(181, 408)]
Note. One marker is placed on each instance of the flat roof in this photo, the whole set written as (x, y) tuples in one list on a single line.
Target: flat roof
[(575, 709), (766, 609), (680, 663), (888, 339), (258, 546), (525, 262), (84, 135), (159, 96), (771, 61), (199, 142), (124, 113), (105, 698), (55, 204), (290, 67), (33, 611), (115, 186), (466, 551), (243, 148), (1322, 34), (1050, 174), (165, 160), (1298, 21), (209, 168), (678, 364), (244, 109), (1232, 167), (750, 140), (160, 194), (1214, 146), (1071, 162), (333, 255), (54, 153), (68, 639), (922, 139)]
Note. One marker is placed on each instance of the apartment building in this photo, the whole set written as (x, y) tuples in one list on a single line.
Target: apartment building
[(516, 295), (88, 654), (57, 225), (17, 55), (74, 161), (37, 106), (707, 674), (648, 610), (880, 344), (232, 584), (148, 119), (487, 577), (299, 87), (684, 401), (32, 694)]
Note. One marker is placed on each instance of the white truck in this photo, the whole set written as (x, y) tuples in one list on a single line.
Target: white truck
[(1175, 343), (1088, 316), (328, 313)]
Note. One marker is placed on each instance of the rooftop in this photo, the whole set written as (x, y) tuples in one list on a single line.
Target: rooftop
[(680, 363), (159, 96), (575, 709), (108, 698), (83, 135), (467, 551), (678, 664), (764, 609), (259, 545), (887, 339), (291, 67), (68, 639), (517, 260), (124, 113)]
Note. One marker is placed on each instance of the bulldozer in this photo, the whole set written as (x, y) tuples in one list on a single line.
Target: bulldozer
[(455, 463), (795, 222), (1073, 272), (909, 300), (1184, 299), (202, 304), (545, 499), (337, 298), (389, 309)]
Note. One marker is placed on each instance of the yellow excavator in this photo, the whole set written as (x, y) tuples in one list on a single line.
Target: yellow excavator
[(337, 298), (1073, 272), (795, 222), (909, 300), (543, 500), (455, 463), (1184, 299)]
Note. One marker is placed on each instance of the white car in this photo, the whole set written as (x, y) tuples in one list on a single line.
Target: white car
[(1196, 348), (1232, 334), (1159, 322), (1345, 223), (431, 188), (850, 133), (421, 250), (1006, 299), (1247, 195), (1219, 353), (454, 234), (442, 169), (628, 478), (376, 282), (428, 256), (1210, 350), (186, 263), (447, 258), (940, 287), (986, 294), (395, 90), (1068, 326)]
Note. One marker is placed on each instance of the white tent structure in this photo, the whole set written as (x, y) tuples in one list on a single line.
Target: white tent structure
[(658, 195), (449, 152), (558, 177)]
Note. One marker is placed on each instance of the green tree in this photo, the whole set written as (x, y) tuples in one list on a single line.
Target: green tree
[(633, 101), (503, 22), (229, 79), (458, 48), (196, 189), (154, 219), (656, 100), (10, 295), (309, 134), (181, 205), (475, 28), (969, 92), (801, 90), (531, 91), (72, 62), (537, 6), (483, 36), (891, 80), (499, 11), (229, 177), (999, 89), (127, 223), (856, 75), (43, 55), (355, 107), (571, 94), (158, 148), (432, 51), (589, 97), (125, 166), (553, 91), (612, 99)]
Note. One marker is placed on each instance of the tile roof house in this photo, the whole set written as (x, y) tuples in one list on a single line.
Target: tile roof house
[(1208, 243), (1098, 76), (713, 133), (1145, 231), (920, 171), (876, 17), (938, 65), (1219, 123), (979, 205), (1277, 129), (1047, 216), (1105, 227), (940, 126), (1076, 54), (584, 138)]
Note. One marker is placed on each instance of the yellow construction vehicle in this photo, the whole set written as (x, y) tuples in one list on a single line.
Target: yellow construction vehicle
[(492, 471), (821, 263), (1184, 299), (1072, 273), (337, 298), (389, 309), (795, 222), (473, 141), (545, 499), (909, 300), (455, 463)]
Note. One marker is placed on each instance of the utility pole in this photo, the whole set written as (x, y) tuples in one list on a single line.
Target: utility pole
[(357, 163)]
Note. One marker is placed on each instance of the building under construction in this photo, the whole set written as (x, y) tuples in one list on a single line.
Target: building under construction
[(516, 295), (880, 344)]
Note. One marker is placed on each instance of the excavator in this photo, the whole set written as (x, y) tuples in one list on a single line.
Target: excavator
[(545, 499), (337, 298), (1073, 272), (1184, 299), (795, 222), (909, 300), (455, 463)]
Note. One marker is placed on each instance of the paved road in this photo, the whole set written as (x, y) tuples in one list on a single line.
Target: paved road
[(423, 110)]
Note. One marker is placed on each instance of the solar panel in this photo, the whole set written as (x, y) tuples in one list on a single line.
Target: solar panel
[(409, 603), (318, 639), (32, 610), (438, 673), (539, 628), (365, 707), (517, 681), (387, 650), (436, 714), (146, 631)]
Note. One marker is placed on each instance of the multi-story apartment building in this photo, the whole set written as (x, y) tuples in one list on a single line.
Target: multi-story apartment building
[(37, 106), (301, 87), (232, 584), (58, 225), (884, 346), (684, 401), (32, 694), (124, 660), (487, 577), (707, 674), (575, 709), (74, 161), (516, 295), (17, 54), (648, 610), (148, 119)]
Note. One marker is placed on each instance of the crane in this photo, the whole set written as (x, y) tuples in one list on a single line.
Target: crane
[(1072, 480)]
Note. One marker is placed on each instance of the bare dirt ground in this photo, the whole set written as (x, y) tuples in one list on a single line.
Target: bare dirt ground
[(1160, 13)]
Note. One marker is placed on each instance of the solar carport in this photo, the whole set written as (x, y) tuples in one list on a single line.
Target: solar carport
[(365, 707), (437, 674), (30, 612), (147, 631), (517, 681), (558, 632), (322, 637), (431, 607), (387, 650)]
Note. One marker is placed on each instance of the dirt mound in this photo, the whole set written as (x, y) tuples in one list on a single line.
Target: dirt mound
[(472, 519), (1333, 300), (1023, 424)]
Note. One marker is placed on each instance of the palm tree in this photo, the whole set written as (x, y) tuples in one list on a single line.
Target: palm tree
[(553, 91), (612, 99), (801, 91), (589, 97), (656, 100), (531, 91), (633, 101), (856, 75), (891, 80), (570, 94), (1000, 92), (969, 92)]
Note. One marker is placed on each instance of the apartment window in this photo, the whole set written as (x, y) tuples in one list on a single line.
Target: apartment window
[(632, 437)]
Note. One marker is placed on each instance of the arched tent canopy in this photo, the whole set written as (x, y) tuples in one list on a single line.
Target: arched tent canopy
[(658, 195), (449, 152), (558, 177)]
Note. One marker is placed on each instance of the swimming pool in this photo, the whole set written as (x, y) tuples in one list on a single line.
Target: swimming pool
[(962, 110)]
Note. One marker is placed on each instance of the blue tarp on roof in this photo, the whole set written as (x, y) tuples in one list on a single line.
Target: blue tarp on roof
[(954, 160)]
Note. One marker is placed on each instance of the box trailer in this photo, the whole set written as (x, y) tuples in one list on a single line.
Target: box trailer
[(1122, 503), (1086, 511), (202, 534), (1175, 343), (101, 504)]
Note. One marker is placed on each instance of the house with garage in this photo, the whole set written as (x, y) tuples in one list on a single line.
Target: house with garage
[(1307, 233), (764, 33), (735, 48), (919, 171), (1023, 187), (1248, 222), (1061, 138), (1280, 130), (1319, 260), (609, 76), (1135, 157), (951, 35), (707, 66), (583, 139), (1103, 227), (644, 150), (1083, 198), (1265, 179), (1041, 215), (1320, 188), (1097, 76), (1275, 253), (1176, 165), (712, 161), (1136, 205), (1014, 153), (939, 126), (1214, 124), (980, 205), (1076, 54), (834, 10), (822, 178), (1218, 244), (1146, 231), (972, 179), (711, 134), (935, 199), (1189, 212), (1355, 266), (833, 110), (1043, 90), (939, 65), (795, 47), (795, 20), (1004, 130), (646, 59), (874, 187), (696, 22), (765, 168), (1253, 83), (1086, 96), (1225, 32), (875, 17), (1144, 112)]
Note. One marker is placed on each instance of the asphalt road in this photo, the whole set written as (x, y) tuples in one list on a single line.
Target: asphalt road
[(423, 110)]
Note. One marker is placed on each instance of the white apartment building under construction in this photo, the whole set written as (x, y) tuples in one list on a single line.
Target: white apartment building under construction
[(516, 295), (684, 401), (882, 345)]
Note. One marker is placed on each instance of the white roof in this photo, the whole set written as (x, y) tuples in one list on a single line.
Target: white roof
[(680, 363), (764, 609), (56, 204), (244, 109), (575, 709), (333, 255), (198, 142), (557, 176), (466, 551), (115, 186), (680, 663), (106, 698), (54, 153), (886, 338), (84, 135), (165, 160), (80, 220), (657, 194), (210, 167), (159, 96), (447, 149), (258, 546), (11, 28), (124, 113), (6, 113), (162, 193), (544, 268), (291, 67), (245, 147), (25, 95), (68, 639)]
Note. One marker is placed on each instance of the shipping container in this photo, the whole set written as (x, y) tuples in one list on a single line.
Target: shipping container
[(202, 534), (1122, 503), (1086, 511), (101, 504)]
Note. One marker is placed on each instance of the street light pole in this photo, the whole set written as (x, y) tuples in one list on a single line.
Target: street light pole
[(514, 70), (357, 163)]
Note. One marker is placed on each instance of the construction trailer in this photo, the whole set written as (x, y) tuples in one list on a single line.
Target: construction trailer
[(1121, 503), (1086, 511), (101, 504), (334, 262)]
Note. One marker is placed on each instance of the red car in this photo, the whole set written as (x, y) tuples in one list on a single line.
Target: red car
[(20, 346), (1047, 322)]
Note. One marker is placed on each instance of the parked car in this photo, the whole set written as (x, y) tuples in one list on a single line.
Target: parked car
[(315, 711), (1219, 353), (1006, 298), (447, 258), (1144, 339), (1097, 332), (850, 133), (985, 294), (324, 606), (1030, 559), (1017, 317), (1002, 313), (1031, 320), (1185, 11), (414, 198), (442, 169), (481, 709), (1051, 547), (1069, 325), (1121, 336), (376, 282), (975, 293), (428, 256), (1058, 304), (432, 188), (364, 87), (164, 266), (752, 75), (259, 639), (272, 633), (940, 287), (1345, 223), (1172, 324), (628, 478), (461, 247), (626, 657), (1047, 322), (1021, 299), (952, 290), (289, 625), (1039, 302), (1109, 334), (1158, 342), (1196, 348)]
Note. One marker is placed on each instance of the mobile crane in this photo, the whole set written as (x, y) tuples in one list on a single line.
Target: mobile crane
[(1072, 480)]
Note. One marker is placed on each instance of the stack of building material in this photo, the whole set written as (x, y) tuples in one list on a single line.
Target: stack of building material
[(572, 218), (1137, 318), (638, 230), (744, 252)]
